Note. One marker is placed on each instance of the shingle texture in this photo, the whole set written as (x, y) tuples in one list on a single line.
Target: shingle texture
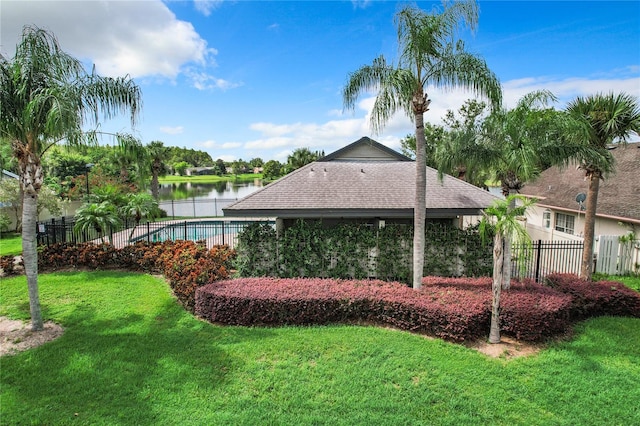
[(353, 185), (619, 193)]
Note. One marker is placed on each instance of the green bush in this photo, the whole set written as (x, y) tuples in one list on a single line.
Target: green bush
[(348, 251)]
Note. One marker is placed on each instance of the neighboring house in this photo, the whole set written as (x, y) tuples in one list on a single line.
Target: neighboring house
[(197, 171), (559, 214), (364, 182)]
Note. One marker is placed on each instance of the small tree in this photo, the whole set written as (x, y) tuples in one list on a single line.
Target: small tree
[(10, 194), (99, 217), (157, 154), (272, 170), (502, 220), (181, 167), (139, 206)]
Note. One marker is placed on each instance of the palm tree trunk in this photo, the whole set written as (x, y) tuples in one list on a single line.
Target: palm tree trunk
[(589, 226), (506, 263), (31, 181), (496, 286), (419, 211), (155, 186)]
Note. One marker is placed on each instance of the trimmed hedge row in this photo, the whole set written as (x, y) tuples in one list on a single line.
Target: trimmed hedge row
[(185, 264), (591, 299), (455, 309)]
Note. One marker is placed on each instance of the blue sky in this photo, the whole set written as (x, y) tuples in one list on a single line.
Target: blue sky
[(245, 79)]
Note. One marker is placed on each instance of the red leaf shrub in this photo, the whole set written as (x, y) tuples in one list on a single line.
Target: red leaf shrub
[(185, 264), (533, 312), (454, 309), (447, 313), (592, 299)]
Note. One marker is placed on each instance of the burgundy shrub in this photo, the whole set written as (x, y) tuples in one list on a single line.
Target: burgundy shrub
[(592, 299)]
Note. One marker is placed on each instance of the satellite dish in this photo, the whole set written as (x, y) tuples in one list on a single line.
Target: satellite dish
[(581, 197)]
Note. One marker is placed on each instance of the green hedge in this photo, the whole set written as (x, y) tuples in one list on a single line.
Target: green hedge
[(308, 249)]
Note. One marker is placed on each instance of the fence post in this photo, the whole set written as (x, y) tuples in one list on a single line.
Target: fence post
[(148, 233), (538, 256), (53, 228), (185, 230), (222, 223)]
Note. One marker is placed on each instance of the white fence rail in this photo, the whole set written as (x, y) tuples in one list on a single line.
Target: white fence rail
[(615, 257)]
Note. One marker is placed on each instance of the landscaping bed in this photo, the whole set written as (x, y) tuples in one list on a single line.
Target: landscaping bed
[(455, 309)]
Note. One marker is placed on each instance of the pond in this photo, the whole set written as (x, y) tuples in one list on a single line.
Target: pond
[(204, 199), (226, 189)]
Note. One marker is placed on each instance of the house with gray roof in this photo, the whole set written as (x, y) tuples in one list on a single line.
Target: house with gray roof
[(561, 195), (363, 182)]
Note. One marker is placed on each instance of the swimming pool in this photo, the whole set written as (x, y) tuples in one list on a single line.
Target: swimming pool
[(215, 231)]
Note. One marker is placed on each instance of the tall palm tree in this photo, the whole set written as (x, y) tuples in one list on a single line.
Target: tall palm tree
[(157, 154), (515, 146), (604, 119), (429, 54), (138, 206), (501, 220), (100, 217), (47, 96)]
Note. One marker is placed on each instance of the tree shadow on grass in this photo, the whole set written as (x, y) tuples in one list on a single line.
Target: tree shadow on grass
[(124, 370)]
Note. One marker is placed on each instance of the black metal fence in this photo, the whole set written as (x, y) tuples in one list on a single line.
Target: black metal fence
[(213, 231), (547, 257)]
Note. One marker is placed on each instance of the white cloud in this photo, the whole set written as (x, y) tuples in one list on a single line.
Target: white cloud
[(138, 38), (204, 81), (217, 145), (172, 130), (206, 6), (360, 4), (280, 139)]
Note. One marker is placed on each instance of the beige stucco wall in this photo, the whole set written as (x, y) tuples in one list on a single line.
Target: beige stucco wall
[(603, 226)]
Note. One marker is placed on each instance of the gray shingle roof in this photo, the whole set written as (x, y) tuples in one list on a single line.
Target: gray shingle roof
[(360, 189), (619, 194)]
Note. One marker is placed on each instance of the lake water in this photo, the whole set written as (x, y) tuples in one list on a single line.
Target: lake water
[(203, 199)]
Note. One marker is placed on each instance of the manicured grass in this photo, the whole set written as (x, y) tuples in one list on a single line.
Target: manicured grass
[(10, 244), (629, 281), (208, 178), (131, 355)]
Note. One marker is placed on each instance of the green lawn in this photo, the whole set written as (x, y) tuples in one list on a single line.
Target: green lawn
[(208, 178), (630, 281), (10, 244), (131, 356)]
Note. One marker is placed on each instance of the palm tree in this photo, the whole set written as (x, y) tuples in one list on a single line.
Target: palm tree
[(604, 119), (46, 96), (501, 220), (429, 55), (157, 154), (514, 146), (301, 157), (101, 217), (463, 132), (139, 206), (130, 154)]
